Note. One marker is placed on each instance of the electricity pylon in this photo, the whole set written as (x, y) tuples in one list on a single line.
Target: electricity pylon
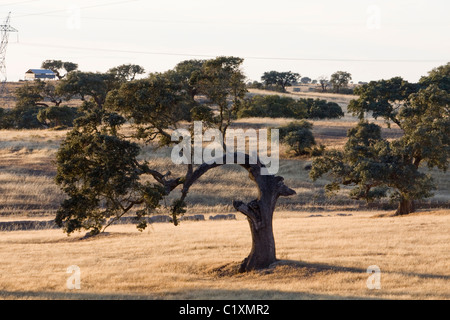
[(5, 29)]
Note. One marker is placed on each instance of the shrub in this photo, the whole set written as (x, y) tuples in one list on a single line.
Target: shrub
[(58, 116), (274, 106), (321, 109), (298, 136), (24, 117)]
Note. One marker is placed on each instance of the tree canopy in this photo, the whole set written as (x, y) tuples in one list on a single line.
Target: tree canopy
[(275, 106), (281, 79), (378, 167), (58, 66), (298, 136), (339, 80), (99, 167), (127, 72)]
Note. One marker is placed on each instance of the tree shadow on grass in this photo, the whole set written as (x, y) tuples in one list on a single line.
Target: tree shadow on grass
[(309, 269), (305, 268), (321, 267)]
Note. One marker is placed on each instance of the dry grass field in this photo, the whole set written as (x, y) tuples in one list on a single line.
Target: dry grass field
[(325, 245), (320, 258), (27, 171)]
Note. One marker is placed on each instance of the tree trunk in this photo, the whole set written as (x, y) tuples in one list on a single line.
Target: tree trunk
[(405, 207), (263, 252), (259, 212)]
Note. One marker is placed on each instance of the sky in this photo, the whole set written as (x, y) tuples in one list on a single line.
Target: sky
[(371, 39)]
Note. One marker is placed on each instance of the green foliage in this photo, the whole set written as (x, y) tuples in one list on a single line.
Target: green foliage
[(280, 79), (255, 85), (274, 106), (298, 136), (153, 104), (126, 72), (305, 80), (339, 80), (23, 117), (29, 94), (58, 116), (95, 86), (39, 93), (98, 168), (221, 81), (321, 109), (189, 73), (34, 110), (57, 66), (383, 99), (377, 167), (438, 76), (373, 167), (99, 172), (178, 208)]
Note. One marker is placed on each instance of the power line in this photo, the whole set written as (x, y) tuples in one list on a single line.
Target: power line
[(84, 7), (250, 23), (185, 54), (16, 3)]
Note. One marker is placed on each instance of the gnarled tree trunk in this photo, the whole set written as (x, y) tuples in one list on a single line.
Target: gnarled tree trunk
[(259, 212)]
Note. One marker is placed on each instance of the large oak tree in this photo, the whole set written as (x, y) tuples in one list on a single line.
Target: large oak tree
[(98, 166)]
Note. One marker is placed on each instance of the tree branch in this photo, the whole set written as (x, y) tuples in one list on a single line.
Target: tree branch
[(249, 212)]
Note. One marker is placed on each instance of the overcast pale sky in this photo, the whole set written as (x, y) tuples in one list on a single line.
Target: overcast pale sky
[(371, 39)]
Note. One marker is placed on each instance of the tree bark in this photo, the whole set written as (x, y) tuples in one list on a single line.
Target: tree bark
[(259, 212), (405, 207), (263, 252)]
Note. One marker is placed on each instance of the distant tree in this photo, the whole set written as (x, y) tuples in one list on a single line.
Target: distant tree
[(298, 136), (189, 73), (222, 83), (58, 66), (89, 85), (282, 79), (340, 79), (3, 119), (323, 82), (378, 167), (275, 106), (254, 85), (30, 94), (305, 80), (127, 72), (21, 117), (321, 109), (38, 93)]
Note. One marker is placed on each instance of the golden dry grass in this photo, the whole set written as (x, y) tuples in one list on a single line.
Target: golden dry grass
[(321, 258)]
